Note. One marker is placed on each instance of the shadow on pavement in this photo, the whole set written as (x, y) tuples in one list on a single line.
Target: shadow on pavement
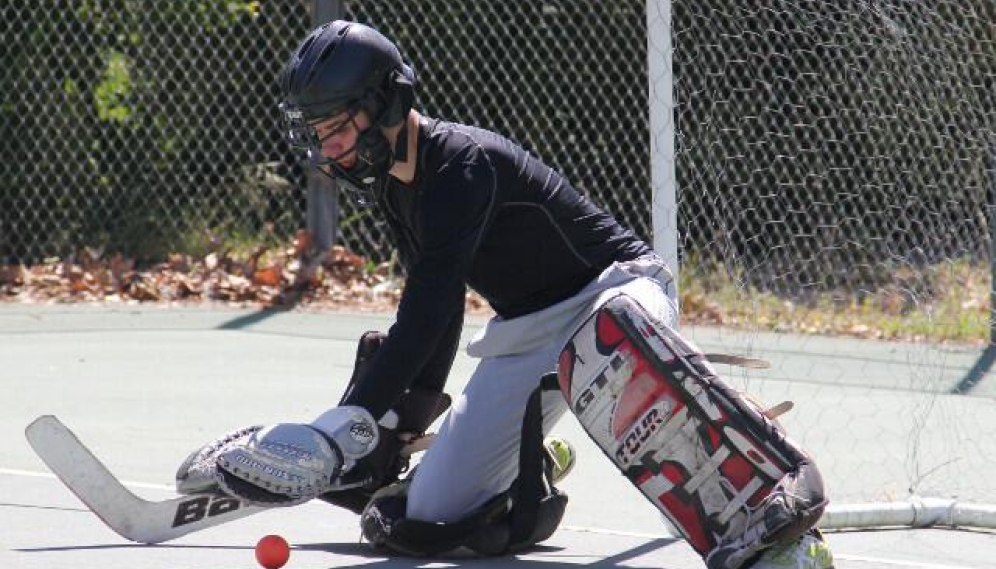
[(977, 373), (375, 559)]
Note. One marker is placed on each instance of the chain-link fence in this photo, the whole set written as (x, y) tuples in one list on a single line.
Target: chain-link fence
[(152, 130), (820, 144), (838, 154), (834, 145), (141, 128), (566, 79)]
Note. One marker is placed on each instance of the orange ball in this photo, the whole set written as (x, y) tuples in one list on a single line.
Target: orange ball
[(272, 551)]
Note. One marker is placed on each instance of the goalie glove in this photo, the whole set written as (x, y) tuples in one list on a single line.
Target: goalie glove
[(408, 421), (402, 432), (285, 464)]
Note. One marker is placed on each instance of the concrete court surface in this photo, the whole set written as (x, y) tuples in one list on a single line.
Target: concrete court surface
[(143, 386)]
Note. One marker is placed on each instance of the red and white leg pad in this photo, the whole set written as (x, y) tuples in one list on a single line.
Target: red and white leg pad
[(725, 475)]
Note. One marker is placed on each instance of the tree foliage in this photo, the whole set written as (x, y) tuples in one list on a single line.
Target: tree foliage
[(132, 119)]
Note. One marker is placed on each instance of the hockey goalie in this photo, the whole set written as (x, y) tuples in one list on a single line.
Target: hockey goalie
[(469, 208)]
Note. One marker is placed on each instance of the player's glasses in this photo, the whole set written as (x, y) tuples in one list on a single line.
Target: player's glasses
[(303, 137)]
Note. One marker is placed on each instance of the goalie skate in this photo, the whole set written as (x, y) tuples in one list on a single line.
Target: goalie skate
[(721, 471)]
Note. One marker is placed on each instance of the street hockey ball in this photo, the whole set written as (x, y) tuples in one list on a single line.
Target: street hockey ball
[(272, 551)]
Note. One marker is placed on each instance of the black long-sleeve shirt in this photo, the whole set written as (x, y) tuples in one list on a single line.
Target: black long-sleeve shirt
[(482, 212)]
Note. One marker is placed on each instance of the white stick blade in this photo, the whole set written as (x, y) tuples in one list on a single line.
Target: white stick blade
[(131, 517)]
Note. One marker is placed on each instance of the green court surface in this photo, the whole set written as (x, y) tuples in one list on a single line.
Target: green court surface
[(143, 386)]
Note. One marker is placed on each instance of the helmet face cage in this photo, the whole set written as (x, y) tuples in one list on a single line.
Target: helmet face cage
[(299, 134), (361, 180)]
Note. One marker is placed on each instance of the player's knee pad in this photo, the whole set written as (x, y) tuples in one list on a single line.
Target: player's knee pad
[(493, 529), (528, 513), (725, 475)]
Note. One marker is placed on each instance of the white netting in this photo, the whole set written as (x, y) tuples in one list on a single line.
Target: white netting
[(834, 160)]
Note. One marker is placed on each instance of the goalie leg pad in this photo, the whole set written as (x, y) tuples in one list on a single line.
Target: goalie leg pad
[(528, 513), (488, 531), (725, 475)]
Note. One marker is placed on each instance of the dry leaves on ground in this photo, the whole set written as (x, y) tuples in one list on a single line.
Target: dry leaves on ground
[(339, 279)]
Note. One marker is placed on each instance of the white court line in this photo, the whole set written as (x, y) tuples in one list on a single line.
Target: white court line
[(842, 557), (857, 558), (35, 474), (31, 473), (899, 562), (618, 532)]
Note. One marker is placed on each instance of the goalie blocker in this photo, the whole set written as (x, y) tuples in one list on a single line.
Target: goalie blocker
[(342, 457), (725, 475)]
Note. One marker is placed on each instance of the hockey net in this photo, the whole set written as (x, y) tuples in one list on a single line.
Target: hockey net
[(835, 164)]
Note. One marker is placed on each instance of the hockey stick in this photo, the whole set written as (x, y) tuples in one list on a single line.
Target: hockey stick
[(134, 518), (131, 517)]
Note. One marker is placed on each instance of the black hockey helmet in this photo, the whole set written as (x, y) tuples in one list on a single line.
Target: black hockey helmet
[(347, 67)]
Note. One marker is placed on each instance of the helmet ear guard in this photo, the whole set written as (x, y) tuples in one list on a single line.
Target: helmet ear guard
[(400, 96)]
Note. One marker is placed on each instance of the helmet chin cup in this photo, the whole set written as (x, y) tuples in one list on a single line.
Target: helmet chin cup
[(362, 181), (363, 194), (370, 170)]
